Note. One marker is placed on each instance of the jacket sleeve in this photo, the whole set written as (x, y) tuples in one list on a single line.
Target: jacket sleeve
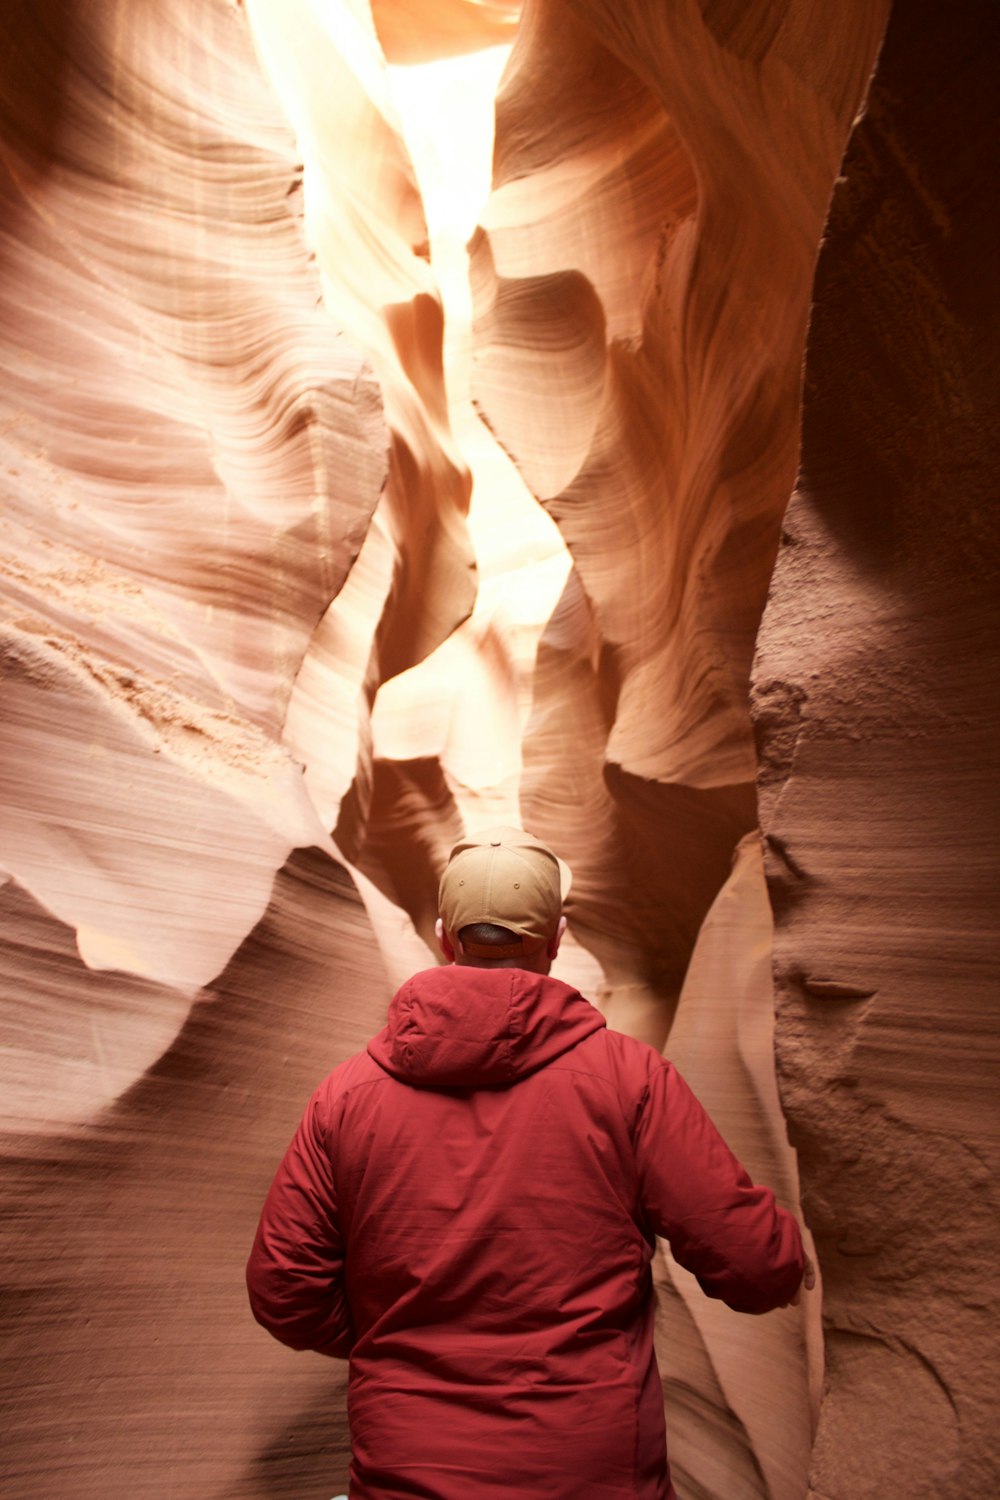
[(729, 1233), (295, 1274)]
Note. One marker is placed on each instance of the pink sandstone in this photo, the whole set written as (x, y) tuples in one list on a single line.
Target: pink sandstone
[(283, 612)]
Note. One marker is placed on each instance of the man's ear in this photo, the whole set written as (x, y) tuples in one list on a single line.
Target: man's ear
[(556, 939), (444, 942)]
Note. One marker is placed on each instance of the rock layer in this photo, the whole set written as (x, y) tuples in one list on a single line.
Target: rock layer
[(875, 690), (643, 279), (192, 457), (727, 1421), (240, 614)]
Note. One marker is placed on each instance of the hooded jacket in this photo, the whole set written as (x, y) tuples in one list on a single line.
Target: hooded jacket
[(468, 1211)]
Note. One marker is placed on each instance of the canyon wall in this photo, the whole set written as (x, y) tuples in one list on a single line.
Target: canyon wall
[(324, 540), (878, 718)]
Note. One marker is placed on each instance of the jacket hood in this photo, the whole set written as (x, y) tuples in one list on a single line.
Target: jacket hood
[(460, 1027)]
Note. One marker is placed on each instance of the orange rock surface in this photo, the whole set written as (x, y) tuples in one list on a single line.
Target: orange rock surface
[(877, 714), (326, 537)]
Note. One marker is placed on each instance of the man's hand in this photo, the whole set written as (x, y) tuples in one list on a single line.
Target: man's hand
[(808, 1282)]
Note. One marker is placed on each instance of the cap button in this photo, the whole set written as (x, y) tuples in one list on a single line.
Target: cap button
[(494, 843)]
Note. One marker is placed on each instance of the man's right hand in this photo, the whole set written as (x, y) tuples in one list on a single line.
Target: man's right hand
[(807, 1283)]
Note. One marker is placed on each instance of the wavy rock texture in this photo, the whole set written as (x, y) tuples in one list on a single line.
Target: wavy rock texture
[(877, 711), (411, 31), (642, 280), (280, 617), (194, 457), (732, 1432)]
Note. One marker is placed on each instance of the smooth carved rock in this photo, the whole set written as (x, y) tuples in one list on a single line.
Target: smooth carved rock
[(412, 31), (642, 283), (138, 1370), (239, 614), (364, 216), (195, 459), (879, 802), (192, 459), (723, 1042)]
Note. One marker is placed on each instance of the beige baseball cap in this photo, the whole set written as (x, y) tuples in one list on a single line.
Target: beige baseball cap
[(507, 877)]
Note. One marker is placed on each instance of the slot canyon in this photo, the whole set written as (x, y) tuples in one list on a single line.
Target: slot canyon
[(425, 414)]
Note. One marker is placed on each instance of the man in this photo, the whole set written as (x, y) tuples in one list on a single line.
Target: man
[(469, 1208)]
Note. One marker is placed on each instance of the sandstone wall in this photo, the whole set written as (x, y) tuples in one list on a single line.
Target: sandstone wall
[(877, 711), (195, 458), (281, 615)]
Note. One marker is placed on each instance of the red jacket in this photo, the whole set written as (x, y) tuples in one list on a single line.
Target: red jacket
[(468, 1211)]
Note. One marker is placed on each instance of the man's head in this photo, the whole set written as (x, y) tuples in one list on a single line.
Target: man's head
[(501, 901)]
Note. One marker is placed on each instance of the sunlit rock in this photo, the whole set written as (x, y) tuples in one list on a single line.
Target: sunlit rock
[(327, 538), (642, 284), (723, 1042), (192, 457)]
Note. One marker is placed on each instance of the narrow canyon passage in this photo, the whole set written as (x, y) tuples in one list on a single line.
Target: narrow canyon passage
[(456, 411)]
